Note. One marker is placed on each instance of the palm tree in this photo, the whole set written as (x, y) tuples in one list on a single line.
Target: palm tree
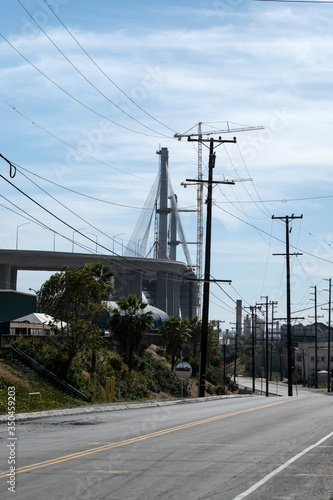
[(129, 322), (104, 274), (195, 326), (175, 332)]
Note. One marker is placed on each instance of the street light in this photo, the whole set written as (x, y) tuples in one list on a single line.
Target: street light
[(76, 231), (140, 246), (113, 238), (17, 228), (92, 234), (33, 290)]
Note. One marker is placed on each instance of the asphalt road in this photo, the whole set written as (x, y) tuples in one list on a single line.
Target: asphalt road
[(277, 387), (253, 447)]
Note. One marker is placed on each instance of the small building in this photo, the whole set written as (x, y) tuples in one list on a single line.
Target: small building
[(34, 324), (14, 304)]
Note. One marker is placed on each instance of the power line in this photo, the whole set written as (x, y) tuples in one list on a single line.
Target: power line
[(73, 97), (285, 200), (19, 168), (83, 76), (275, 237), (102, 71), (123, 259)]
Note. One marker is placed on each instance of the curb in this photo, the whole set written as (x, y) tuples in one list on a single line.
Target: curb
[(107, 407)]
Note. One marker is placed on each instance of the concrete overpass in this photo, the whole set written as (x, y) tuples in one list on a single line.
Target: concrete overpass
[(169, 284)]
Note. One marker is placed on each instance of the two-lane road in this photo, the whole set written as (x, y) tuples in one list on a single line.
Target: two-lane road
[(253, 447)]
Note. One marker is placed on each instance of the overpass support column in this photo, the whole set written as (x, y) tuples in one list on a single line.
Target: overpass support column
[(173, 297), (161, 294), (7, 277), (168, 295), (188, 299), (13, 279), (128, 284)]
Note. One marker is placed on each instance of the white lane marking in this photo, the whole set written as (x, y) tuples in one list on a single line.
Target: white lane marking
[(279, 469)]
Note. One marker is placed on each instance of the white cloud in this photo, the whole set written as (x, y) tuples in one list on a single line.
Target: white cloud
[(252, 63)]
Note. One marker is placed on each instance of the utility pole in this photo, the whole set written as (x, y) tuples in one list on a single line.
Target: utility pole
[(235, 361), (205, 302), (266, 304), (253, 338), (200, 231), (286, 219), (316, 337), (329, 334), (266, 367), (272, 339), (253, 348), (253, 310)]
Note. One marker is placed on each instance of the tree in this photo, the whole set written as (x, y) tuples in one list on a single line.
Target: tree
[(175, 332), (195, 326), (104, 274), (74, 299), (128, 323), (213, 344)]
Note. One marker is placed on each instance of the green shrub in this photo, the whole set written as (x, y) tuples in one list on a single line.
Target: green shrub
[(214, 375), (158, 376), (131, 386), (56, 361)]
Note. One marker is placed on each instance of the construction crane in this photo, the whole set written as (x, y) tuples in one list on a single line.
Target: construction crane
[(214, 132), (200, 228)]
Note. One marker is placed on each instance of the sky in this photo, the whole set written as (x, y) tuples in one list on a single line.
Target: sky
[(91, 90)]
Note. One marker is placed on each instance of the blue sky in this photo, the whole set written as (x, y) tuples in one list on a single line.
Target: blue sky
[(173, 64)]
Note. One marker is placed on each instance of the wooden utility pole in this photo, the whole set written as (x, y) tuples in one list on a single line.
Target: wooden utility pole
[(205, 302), (266, 304), (329, 334), (272, 340), (316, 337), (286, 219)]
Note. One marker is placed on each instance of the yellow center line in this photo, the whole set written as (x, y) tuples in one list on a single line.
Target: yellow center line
[(137, 439)]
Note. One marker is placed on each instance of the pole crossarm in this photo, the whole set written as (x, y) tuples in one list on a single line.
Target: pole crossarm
[(208, 281), (290, 254), (226, 131), (292, 319), (206, 181), (211, 140)]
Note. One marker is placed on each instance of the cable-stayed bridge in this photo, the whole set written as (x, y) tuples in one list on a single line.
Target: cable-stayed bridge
[(167, 283)]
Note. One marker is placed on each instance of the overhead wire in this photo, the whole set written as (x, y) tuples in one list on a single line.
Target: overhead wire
[(64, 206), (19, 168), (126, 262), (265, 212), (285, 200), (73, 97), (14, 108), (253, 184), (276, 238), (84, 77), (103, 72)]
